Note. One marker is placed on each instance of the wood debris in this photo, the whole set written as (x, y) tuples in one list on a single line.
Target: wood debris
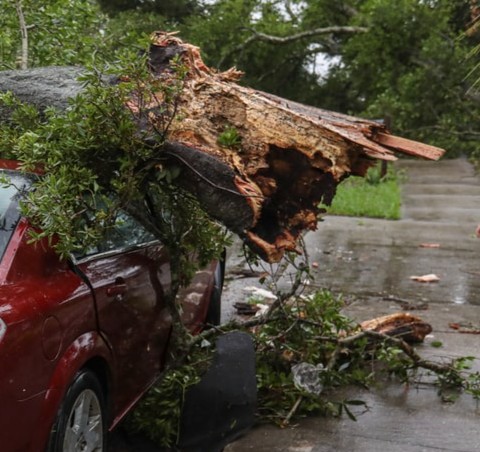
[(402, 325), (431, 277)]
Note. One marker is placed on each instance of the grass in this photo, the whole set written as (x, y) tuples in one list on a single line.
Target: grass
[(373, 196)]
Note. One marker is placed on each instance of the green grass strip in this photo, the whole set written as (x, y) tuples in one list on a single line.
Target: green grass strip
[(359, 197)]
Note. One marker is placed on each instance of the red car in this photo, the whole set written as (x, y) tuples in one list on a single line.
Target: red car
[(82, 340)]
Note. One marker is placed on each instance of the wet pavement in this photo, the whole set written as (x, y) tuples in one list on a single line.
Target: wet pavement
[(371, 262)]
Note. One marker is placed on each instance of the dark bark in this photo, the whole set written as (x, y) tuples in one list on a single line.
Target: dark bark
[(213, 183), (43, 87)]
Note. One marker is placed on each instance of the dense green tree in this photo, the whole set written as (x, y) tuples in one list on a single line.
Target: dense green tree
[(275, 42), (176, 10), (410, 67), (59, 32)]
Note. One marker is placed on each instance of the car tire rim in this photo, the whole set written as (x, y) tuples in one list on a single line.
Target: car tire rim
[(84, 429)]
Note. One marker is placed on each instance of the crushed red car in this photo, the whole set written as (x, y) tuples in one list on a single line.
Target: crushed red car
[(81, 340)]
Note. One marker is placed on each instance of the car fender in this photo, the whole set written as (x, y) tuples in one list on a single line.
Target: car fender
[(86, 347)]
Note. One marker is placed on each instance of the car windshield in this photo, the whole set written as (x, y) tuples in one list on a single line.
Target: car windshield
[(12, 185)]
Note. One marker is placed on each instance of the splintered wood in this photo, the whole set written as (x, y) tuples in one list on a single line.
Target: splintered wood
[(288, 157), (402, 325)]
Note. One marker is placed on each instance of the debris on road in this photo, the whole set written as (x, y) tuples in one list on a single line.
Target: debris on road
[(431, 277), (244, 308), (429, 245), (465, 327), (307, 377), (258, 292), (402, 325)]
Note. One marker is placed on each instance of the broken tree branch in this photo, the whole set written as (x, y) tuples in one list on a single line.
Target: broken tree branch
[(289, 158), (282, 40), (284, 161)]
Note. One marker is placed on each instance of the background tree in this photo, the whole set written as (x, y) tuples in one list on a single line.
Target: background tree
[(60, 32), (411, 67), (174, 10), (276, 43)]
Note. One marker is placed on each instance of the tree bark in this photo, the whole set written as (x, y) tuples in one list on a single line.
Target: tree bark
[(24, 33), (268, 184)]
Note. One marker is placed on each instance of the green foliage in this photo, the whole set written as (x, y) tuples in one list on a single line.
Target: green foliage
[(176, 10), (223, 34), (93, 155), (60, 32), (129, 29), (313, 330), (374, 196), (305, 332), (410, 67), (397, 363), (229, 138), (192, 237), (75, 32), (158, 414), (221, 28), (459, 377), (20, 119)]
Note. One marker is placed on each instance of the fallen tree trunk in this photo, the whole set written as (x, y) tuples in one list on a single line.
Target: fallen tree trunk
[(283, 160)]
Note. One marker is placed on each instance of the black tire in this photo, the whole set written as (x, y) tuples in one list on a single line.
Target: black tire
[(93, 435), (214, 312)]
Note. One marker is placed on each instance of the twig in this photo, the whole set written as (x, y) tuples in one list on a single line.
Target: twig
[(203, 177), (292, 411), (24, 33), (417, 360), (282, 40)]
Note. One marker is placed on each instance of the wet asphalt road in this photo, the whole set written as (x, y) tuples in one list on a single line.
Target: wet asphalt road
[(371, 262)]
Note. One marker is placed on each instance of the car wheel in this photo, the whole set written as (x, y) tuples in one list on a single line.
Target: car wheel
[(215, 307), (80, 423)]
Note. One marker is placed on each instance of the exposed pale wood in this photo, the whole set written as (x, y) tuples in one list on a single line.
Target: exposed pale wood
[(410, 147), (406, 326)]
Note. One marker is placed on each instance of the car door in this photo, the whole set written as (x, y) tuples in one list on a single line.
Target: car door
[(129, 273)]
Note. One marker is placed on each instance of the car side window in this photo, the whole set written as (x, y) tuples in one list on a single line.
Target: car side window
[(12, 187), (125, 233)]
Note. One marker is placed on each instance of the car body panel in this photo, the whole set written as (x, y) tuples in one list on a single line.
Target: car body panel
[(89, 346), (58, 316), (129, 291)]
